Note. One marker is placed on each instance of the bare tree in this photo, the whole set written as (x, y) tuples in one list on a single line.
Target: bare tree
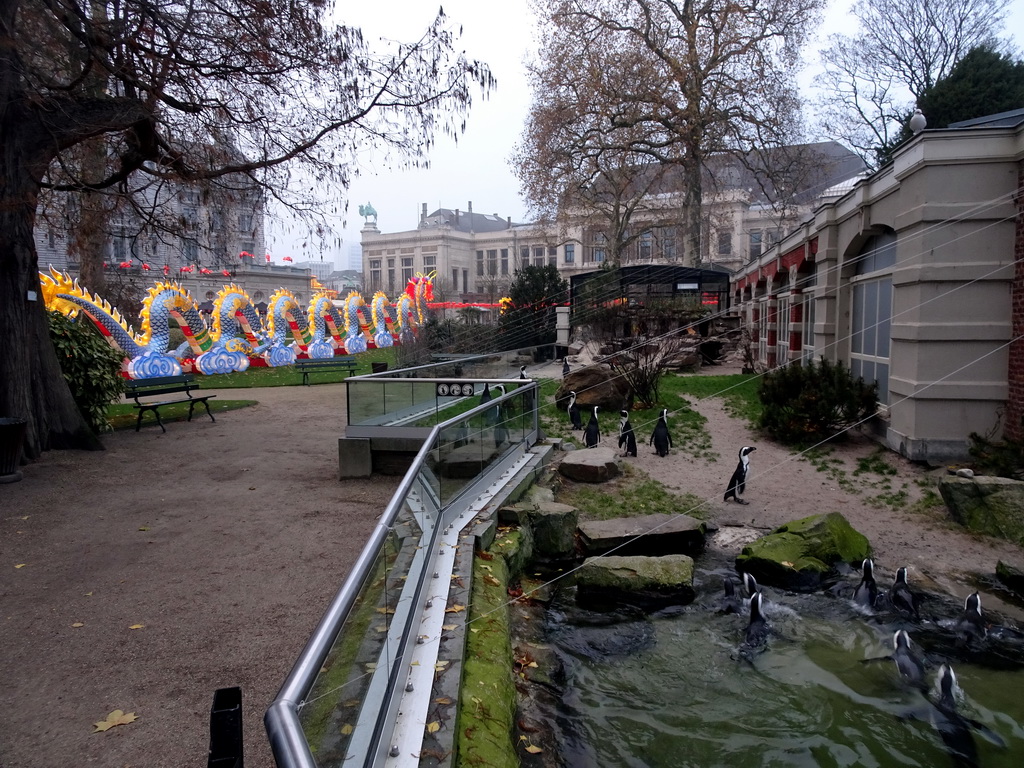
[(673, 82), (872, 78), (191, 90)]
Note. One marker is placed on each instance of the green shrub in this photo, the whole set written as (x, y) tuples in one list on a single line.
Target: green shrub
[(804, 404), (91, 367)]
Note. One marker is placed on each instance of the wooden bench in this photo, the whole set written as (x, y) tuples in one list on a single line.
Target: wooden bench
[(165, 385), (307, 367)]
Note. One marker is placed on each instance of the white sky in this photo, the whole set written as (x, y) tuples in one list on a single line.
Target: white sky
[(476, 169)]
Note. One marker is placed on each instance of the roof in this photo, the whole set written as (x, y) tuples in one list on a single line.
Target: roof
[(1010, 119), (464, 221)]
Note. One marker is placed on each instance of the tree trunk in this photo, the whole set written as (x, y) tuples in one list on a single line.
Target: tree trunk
[(32, 386)]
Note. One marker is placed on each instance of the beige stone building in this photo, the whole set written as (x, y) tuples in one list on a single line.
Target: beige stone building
[(907, 276)]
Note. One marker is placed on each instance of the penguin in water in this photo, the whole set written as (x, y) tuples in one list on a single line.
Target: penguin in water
[(730, 601), (626, 436), (738, 481), (900, 596), (970, 627), (660, 437), (565, 367), (908, 664), (954, 729), (592, 435), (574, 412), (758, 627), (750, 585), (867, 591)]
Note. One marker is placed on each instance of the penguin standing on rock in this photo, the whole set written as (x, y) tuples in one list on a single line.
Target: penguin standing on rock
[(971, 626), (626, 436), (738, 481), (900, 596), (660, 437), (574, 413), (565, 367), (592, 435)]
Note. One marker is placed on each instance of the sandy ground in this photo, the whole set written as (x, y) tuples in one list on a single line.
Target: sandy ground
[(226, 541)]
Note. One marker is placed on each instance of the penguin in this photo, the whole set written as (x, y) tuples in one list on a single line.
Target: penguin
[(900, 596), (750, 585), (867, 591), (626, 435), (730, 601), (738, 481), (500, 430), (522, 372), (574, 412), (660, 437), (565, 367), (485, 396), (908, 664), (971, 626), (758, 627), (592, 435)]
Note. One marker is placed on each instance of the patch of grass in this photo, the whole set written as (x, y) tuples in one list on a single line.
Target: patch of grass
[(739, 391), (124, 415), (287, 376), (821, 460), (632, 495), (875, 464), (893, 499)]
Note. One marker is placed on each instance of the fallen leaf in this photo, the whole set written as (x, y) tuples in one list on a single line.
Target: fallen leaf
[(117, 717), (88, 594), (136, 626), (443, 700), (786, 562), (455, 608), (346, 729), (433, 727), (25, 517), (449, 626), (440, 665), (533, 749), (385, 610), (144, 528), (78, 624), (488, 579), (20, 565)]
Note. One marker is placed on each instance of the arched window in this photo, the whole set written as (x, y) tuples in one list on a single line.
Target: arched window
[(872, 312)]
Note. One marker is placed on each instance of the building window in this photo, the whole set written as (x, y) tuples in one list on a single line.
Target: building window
[(668, 243), (553, 256), (524, 256), (406, 269), (119, 250), (782, 324), (492, 262), (724, 242), (504, 261), (538, 255), (755, 244), (807, 349), (375, 274), (570, 253), (190, 250), (455, 280), (872, 313), (771, 237), (465, 281), (645, 245), (479, 263), (391, 275)]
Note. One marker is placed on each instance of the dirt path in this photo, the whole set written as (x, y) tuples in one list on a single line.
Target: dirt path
[(226, 541)]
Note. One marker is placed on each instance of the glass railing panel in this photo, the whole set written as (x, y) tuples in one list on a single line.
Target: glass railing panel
[(338, 715)]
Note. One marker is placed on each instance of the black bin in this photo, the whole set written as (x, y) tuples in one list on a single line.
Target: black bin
[(378, 367), (226, 729)]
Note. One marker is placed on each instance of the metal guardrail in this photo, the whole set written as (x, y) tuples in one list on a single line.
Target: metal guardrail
[(338, 704)]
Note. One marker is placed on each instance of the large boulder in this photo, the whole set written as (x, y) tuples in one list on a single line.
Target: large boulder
[(1011, 576), (986, 504), (647, 582), (644, 535), (799, 554), (594, 465), (594, 385), (552, 526)]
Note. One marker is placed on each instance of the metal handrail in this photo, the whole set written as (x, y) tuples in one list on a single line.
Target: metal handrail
[(287, 739)]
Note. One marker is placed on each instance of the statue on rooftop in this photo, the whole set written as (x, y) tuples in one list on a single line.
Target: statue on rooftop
[(366, 211)]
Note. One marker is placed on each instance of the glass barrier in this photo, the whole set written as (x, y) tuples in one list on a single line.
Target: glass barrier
[(353, 667)]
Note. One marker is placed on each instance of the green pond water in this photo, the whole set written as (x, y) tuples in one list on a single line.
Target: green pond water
[(672, 690)]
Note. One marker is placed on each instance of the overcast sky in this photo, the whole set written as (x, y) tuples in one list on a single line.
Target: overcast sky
[(476, 169)]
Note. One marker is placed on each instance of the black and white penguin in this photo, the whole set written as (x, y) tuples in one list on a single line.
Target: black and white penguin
[(908, 664), (660, 437), (592, 435), (730, 601), (758, 627), (499, 411), (574, 412), (522, 372), (750, 585), (485, 396), (867, 591), (626, 436), (900, 596), (738, 481), (971, 626), (565, 366)]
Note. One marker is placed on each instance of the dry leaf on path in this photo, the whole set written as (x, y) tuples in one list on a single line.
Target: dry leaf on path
[(20, 565), (433, 727), (78, 624), (136, 626), (455, 608), (117, 717)]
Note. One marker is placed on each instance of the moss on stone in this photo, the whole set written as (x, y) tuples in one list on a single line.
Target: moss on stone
[(487, 700)]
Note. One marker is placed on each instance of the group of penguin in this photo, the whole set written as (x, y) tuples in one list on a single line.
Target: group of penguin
[(955, 729), (661, 439)]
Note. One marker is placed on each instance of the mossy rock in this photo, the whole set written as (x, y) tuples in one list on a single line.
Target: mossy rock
[(800, 554), (989, 505), (646, 582)]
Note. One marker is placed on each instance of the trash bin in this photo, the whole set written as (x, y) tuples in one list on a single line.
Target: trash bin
[(226, 729), (378, 367), (12, 436)]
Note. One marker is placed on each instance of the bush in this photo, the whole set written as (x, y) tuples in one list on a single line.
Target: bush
[(91, 367), (805, 404)]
